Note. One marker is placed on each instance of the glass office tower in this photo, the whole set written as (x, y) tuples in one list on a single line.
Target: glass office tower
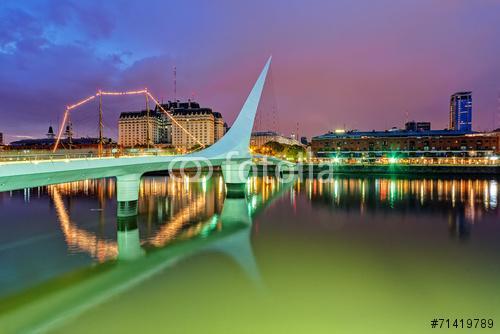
[(461, 111)]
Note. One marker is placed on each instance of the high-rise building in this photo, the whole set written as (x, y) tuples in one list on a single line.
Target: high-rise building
[(219, 129), (133, 128), (203, 124), (461, 111), (1, 138), (165, 129)]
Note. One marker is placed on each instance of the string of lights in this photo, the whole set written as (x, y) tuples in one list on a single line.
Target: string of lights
[(88, 99), (110, 93), (132, 92), (173, 119), (63, 123)]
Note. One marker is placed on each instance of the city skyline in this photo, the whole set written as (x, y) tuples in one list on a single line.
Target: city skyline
[(378, 66), (283, 166)]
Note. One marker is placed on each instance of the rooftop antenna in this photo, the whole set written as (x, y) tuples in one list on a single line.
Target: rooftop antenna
[(101, 139), (274, 107), (148, 127), (496, 123), (175, 83), (69, 132)]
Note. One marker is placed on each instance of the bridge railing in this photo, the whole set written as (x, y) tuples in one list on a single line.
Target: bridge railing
[(43, 157), (38, 157)]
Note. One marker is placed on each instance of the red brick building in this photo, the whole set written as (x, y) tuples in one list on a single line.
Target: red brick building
[(436, 141)]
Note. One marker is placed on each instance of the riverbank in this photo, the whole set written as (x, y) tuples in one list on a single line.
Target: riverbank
[(390, 169)]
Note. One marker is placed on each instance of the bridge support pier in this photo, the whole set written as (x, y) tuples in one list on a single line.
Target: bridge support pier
[(127, 187), (127, 195), (126, 209), (235, 176)]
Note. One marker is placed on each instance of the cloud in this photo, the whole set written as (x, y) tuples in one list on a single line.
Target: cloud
[(19, 30), (92, 21)]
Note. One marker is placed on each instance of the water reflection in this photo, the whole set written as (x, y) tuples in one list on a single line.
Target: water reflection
[(474, 197), (121, 244), (173, 209), (458, 225), (78, 239), (192, 211), (168, 210), (95, 228), (127, 236), (178, 209)]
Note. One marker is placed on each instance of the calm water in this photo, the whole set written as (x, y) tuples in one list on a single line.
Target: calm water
[(347, 255)]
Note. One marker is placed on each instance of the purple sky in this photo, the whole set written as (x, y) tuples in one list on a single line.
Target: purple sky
[(364, 64)]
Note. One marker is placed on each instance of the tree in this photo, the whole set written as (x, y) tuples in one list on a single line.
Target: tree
[(274, 147), (195, 147), (293, 152)]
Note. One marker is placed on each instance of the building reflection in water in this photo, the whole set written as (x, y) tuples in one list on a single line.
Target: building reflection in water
[(458, 226), (168, 210), (78, 239), (172, 209), (474, 196), (465, 200)]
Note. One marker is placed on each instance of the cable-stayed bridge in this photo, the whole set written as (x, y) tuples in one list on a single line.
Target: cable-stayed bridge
[(231, 153)]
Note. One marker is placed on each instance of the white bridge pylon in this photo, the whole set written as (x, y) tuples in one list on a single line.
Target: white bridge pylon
[(237, 139)]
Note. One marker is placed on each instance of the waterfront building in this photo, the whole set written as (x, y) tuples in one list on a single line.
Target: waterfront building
[(133, 128), (200, 123), (165, 130), (205, 125), (65, 143), (425, 143), (1, 139), (219, 129), (461, 111), (259, 139), (417, 126)]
